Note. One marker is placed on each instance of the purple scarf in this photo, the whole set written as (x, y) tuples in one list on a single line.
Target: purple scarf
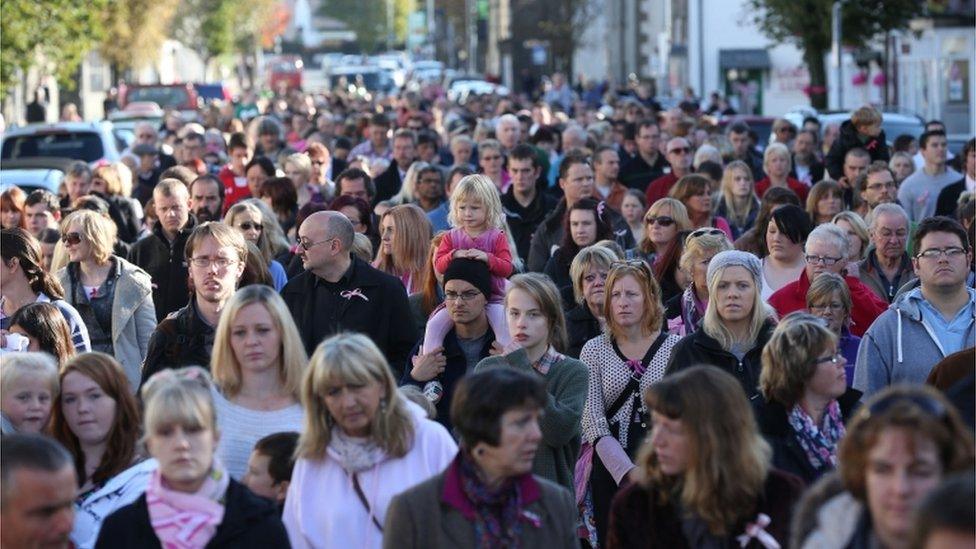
[(819, 442)]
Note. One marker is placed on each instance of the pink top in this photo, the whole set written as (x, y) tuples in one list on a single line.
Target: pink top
[(493, 242)]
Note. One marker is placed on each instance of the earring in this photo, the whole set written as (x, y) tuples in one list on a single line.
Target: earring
[(383, 402)]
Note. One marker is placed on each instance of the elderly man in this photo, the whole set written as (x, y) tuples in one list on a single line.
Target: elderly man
[(887, 266), (826, 251), (919, 192), (342, 293), (38, 485), (927, 323), (648, 164), (508, 132), (680, 158), (77, 182), (467, 287), (389, 182)]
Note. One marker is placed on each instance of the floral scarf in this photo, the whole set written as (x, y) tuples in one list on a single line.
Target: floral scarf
[(497, 522), (354, 454), (818, 442), (182, 520), (692, 310)]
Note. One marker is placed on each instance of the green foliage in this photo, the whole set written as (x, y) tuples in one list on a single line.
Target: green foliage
[(807, 23), (135, 31), (61, 32)]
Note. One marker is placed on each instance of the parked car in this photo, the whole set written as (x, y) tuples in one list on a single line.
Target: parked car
[(31, 174), (181, 97), (88, 141), (124, 121), (361, 79)]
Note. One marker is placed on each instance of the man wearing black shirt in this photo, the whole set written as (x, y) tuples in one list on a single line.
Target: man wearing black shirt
[(341, 293), (525, 207), (649, 164)]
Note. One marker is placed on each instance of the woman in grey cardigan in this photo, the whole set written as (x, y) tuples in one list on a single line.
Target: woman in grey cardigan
[(488, 496), (538, 330), (113, 296)]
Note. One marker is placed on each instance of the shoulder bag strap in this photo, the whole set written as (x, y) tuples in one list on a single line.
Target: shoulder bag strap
[(364, 501), (634, 383)]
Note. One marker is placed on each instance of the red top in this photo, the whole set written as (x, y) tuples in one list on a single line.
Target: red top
[(233, 192), (659, 188), (865, 304), (795, 185)]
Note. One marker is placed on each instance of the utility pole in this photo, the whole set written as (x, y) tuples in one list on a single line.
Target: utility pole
[(390, 25), (836, 52), (431, 29), (472, 6)]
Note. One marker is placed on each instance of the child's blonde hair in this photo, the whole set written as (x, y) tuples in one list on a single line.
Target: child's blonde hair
[(478, 188), (17, 366)]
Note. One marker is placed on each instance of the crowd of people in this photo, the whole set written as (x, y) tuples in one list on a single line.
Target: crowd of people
[(499, 322)]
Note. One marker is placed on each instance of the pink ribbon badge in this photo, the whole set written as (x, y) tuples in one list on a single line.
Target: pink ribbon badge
[(532, 518), (349, 294), (755, 530)]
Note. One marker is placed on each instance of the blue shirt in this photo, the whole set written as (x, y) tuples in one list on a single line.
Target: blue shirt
[(950, 333), (438, 217)]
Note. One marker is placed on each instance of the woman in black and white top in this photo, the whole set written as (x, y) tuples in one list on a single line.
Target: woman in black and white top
[(623, 362)]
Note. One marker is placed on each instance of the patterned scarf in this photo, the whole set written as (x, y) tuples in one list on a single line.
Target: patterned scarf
[(497, 522), (182, 520), (692, 310), (819, 443), (354, 454)]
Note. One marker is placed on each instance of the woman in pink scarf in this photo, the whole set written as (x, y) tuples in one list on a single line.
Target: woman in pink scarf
[(191, 501)]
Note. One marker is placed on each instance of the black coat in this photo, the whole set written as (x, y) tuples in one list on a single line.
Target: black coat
[(701, 348), (249, 521), (178, 341), (948, 198), (581, 326), (384, 315), (788, 455), (524, 221), (166, 264), (388, 183), (849, 139), (121, 211), (816, 169)]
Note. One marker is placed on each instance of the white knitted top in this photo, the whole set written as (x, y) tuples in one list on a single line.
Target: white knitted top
[(240, 428)]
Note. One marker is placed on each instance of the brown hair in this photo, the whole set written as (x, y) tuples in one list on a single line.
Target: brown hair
[(920, 409), (412, 230), (818, 192), (541, 288), (19, 244), (45, 324), (653, 316), (429, 300), (789, 359), (15, 199), (826, 285), (865, 116), (120, 449)]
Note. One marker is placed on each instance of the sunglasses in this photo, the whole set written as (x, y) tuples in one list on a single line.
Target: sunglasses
[(702, 232), (661, 220), (680, 150), (247, 226), (71, 238)]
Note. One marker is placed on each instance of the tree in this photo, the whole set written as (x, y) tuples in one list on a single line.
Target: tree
[(61, 32), (561, 23), (220, 27), (135, 31), (807, 23)]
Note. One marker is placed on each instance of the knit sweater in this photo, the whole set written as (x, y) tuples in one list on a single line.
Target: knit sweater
[(240, 428), (560, 422)]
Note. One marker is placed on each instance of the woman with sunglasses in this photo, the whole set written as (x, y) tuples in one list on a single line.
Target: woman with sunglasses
[(623, 363), (585, 224), (249, 218), (807, 401), (898, 448), (737, 322), (694, 191), (686, 310), (113, 296)]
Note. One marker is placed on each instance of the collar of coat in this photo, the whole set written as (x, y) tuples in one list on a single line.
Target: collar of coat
[(454, 496)]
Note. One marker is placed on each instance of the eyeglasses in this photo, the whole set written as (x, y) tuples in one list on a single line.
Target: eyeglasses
[(834, 359), (247, 226), (879, 186), (661, 220), (822, 259), (703, 231), (934, 253), (71, 238), (307, 245), (680, 150), (463, 296), (205, 262), (835, 307)]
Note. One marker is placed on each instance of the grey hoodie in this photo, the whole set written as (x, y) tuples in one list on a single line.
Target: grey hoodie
[(899, 347)]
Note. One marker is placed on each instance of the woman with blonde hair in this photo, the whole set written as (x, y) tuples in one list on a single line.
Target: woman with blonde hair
[(704, 477), (113, 296), (252, 221), (737, 201), (107, 183), (425, 301), (623, 362), (662, 223), (857, 235), (589, 272), (806, 400), (362, 443), (257, 363), (826, 199), (777, 163), (408, 190), (190, 500), (686, 310), (737, 322), (404, 239)]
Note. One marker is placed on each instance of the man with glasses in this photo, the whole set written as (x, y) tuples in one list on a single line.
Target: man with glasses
[(467, 287), (874, 187), (648, 165), (887, 266), (827, 247), (919, 192), (680, 157), (341, 293), (389, 182), (161, 253), (927, 323), (216, 254)]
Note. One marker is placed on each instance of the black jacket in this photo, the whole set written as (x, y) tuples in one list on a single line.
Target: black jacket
[(788, 455), (249, 521), (816, 169), (581, 326), (179, 340), (948, 198), (388, 183), (549, 234), (638, 174), (166, 264), (124, 215), (384, 315), (524, 221), (701, 348), (454, 370), (849, 139)]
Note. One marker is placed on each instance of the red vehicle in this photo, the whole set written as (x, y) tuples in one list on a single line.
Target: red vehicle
[(180, 97), (285, 73)]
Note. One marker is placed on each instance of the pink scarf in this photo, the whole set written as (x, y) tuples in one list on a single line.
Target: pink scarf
[(182, 520)]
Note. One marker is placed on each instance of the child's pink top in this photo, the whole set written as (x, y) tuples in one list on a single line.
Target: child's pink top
[(493, 242)]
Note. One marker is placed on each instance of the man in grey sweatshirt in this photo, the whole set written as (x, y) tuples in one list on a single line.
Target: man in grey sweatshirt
[(919, 192), (928, 323)]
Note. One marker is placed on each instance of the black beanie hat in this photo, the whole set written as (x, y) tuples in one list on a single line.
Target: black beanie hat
[(472, 271)]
